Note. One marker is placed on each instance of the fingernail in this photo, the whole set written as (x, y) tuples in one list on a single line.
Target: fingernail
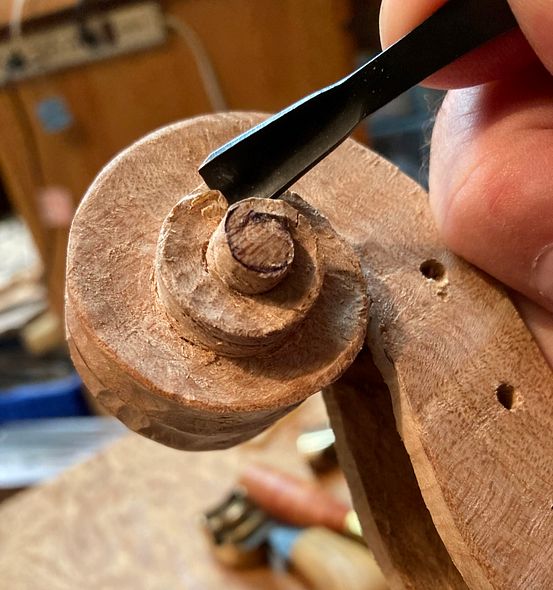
[(542, 272), (383, 22)]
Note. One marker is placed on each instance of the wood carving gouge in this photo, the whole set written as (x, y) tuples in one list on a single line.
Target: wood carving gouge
[(266, 160), (244, 536)]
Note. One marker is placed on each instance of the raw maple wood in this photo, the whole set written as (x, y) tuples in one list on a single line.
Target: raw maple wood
[(449, 345), (469, 389), (252, 250), (206, 291), (388, 501), (161, 341)]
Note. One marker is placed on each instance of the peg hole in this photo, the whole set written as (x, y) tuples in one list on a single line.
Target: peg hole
[(505, 395), (433, 270)]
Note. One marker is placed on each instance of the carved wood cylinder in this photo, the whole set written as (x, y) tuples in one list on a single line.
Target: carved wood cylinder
[(196, 324), (239, 281)]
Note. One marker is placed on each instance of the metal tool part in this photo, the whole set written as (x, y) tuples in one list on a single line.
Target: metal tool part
[(238, 530), (269, 158)]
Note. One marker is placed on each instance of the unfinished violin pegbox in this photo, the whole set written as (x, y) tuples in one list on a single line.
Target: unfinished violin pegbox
[(198, 325)]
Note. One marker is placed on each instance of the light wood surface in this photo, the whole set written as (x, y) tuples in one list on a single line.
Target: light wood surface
[(332, 562), (449, 344), (388, 499), (252, 250), (128, 519)]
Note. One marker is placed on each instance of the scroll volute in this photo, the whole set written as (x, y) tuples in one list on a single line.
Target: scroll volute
[(199, 324)]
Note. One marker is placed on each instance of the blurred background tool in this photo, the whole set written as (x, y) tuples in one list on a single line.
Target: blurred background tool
[(128, 517), (326, 560), (298, 501), (242, 535), (238, 530), (317, 448)]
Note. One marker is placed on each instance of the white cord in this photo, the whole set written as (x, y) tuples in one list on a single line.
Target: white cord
[(16, 18), (203, 62)]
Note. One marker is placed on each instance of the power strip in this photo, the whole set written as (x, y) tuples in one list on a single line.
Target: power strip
[(113, 32)]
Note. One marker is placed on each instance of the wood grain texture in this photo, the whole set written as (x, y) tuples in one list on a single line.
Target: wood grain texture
[(129, 518), (193, 384), (452, 351), (445, 337), (252, 250), (205, 302), (396, 522)]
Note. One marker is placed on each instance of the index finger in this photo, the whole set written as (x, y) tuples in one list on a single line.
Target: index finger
[(497, 59)]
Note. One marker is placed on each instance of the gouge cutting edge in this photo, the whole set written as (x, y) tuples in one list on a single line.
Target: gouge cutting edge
[(270, 157)]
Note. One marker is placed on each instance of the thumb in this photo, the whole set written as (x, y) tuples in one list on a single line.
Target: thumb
[(496, 59), (491, 187), (535, 18)]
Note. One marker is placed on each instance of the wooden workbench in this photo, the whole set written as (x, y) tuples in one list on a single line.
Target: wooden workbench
[(129, 518)]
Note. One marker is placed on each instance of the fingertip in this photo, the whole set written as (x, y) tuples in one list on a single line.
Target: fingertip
[(496, 59), (398, 17), (536, 20), (539, 322)]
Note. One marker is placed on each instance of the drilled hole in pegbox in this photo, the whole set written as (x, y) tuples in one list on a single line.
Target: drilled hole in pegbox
[(433, 270), (506, 395)]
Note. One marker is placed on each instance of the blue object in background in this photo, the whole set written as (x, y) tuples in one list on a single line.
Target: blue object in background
[(282, 539), (54, 114), (32, 451), (55, 398)]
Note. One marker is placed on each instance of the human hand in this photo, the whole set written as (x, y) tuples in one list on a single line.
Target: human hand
[(491, 164)]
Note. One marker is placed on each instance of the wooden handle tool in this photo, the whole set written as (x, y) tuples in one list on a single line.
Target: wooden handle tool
[(297, 501), (243, 536), (326, 560)]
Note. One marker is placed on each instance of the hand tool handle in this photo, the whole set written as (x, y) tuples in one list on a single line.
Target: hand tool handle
[(326, 560), (293, 500)]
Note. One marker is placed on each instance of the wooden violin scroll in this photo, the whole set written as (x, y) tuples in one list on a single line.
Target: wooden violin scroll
[(199, 325), (444, 424), (196, 324), (220, 273)]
